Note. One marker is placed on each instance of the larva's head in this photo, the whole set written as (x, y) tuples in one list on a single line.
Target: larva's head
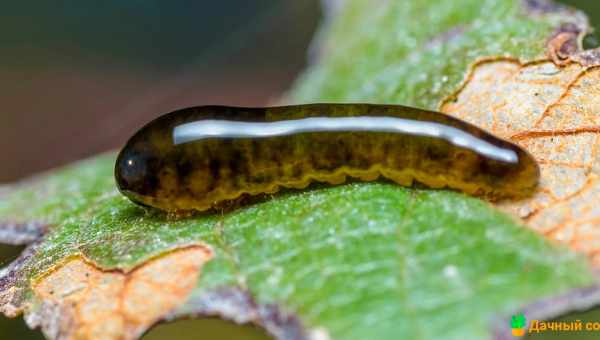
[(136, 172)]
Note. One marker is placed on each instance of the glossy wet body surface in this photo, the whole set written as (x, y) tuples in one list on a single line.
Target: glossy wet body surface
[(199, 158)]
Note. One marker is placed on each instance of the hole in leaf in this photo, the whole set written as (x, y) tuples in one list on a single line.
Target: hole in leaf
[(591, 10), (590, 41), (206, 328), (14, 328), (592, 315), (9, 253), (17, 329)]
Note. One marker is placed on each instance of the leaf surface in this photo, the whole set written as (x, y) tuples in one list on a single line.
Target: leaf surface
[(539, 90), (362, 260)]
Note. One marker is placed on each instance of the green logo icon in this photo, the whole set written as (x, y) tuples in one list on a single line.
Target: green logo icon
[(517, 323)]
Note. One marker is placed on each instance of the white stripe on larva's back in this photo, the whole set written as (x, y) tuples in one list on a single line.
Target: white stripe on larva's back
[(209, 128)]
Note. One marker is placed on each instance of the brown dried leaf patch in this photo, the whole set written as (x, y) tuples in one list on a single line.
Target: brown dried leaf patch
[(554, 112), (78, 300)]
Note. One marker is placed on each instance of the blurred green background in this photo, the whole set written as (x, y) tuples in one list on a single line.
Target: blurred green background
[(77, 78)]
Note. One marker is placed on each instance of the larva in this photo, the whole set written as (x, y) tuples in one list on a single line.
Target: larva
[(200, 157)]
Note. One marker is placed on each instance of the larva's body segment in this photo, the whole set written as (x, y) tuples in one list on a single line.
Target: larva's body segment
[(198, 158)]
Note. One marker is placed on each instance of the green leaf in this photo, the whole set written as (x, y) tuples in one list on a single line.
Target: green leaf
[(417, 52), (358, 261)]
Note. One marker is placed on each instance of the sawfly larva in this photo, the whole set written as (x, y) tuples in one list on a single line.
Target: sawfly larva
[(201, 157)]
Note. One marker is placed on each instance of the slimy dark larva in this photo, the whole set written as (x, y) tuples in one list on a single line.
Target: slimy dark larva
[(201, 157)]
